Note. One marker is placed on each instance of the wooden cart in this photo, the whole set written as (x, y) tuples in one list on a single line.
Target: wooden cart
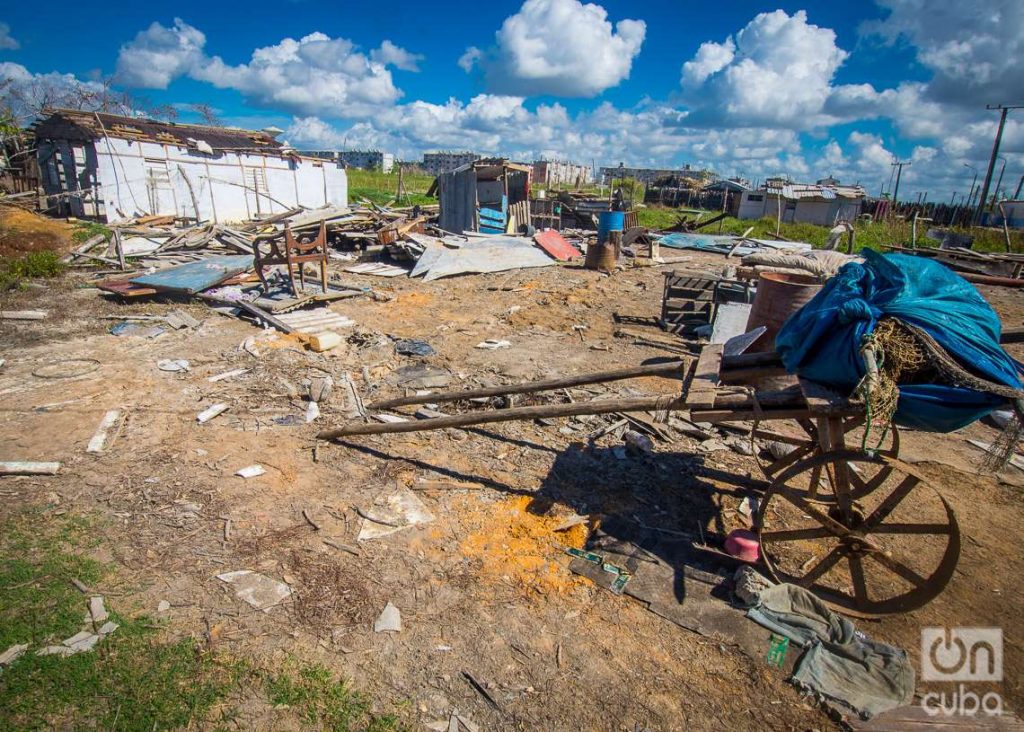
[(848, 521), (845, 519)]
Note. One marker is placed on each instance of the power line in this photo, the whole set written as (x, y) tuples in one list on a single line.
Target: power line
[(1003, 108)]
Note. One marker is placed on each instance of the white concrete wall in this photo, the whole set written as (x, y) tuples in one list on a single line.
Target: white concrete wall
[(811, 211), (150, 178)]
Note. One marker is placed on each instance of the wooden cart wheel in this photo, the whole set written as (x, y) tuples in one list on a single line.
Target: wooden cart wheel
[(892, 550), (864, 478)]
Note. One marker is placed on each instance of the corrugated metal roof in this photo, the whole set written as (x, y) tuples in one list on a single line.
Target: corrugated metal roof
[(67, 124), (796, 191)]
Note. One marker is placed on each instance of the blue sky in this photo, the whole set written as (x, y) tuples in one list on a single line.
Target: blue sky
[(742, 87)]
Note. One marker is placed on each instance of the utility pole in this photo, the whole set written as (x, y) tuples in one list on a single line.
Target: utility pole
[(899, 172), (1003, 108)]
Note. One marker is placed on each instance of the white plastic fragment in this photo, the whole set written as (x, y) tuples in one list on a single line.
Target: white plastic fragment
[(227, 375), (100, 438), (256, 589), (13, 653), (163, 606), (55, 651), (210, 412), (493, 345), (312, 411), (389, 620), (172, 365), (251, 471), (97, 612), (399, 511)]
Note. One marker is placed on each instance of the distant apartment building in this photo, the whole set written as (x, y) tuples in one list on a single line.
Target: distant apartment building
[(436, 163), (645, 175), (560, 173), (366, 159)]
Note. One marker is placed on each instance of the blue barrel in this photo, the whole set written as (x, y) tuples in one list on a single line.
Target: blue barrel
[(609, 221)]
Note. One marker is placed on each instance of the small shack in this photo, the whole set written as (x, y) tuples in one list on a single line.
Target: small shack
[(110, 167), (822, 203), (488, 196)]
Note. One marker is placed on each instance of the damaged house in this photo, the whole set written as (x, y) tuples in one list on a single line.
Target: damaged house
[(823, 203), (109, 167), (488, 196)]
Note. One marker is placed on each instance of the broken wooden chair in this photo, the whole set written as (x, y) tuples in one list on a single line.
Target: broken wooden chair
[(296, 253)]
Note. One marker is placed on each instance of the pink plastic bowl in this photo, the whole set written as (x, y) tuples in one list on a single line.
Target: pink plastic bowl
[(743, 544)]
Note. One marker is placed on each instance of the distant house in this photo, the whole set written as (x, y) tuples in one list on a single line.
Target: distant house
[(489, 196), (109, 167), (824, 203), (436, 163), (560, 173)]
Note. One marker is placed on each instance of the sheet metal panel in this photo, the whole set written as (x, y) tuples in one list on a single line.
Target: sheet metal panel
[(196, 276)]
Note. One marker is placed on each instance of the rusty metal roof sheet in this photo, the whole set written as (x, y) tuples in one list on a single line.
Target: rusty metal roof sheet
[(67, 124)]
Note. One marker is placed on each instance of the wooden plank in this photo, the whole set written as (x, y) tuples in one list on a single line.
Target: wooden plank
[(704, 386), (917, 719), (17, 467), (821, 399), (23, 314)]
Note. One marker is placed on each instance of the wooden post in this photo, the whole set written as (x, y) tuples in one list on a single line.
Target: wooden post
[(119, 249), (529, 387), (600, 406)]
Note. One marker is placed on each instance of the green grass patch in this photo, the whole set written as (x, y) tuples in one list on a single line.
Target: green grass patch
[(872, 235), (134, 679), (322, 701), (130, 681), (33, 264), (85, 230), (381, 188)]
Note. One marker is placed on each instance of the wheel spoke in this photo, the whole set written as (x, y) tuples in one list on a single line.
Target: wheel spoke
[(815, 484), (853, 423), (890, 503), (927, 529), (786, 460), (815, 532), (897, 567), (794, 497), (858, 483), (827, 562), (860, 587)]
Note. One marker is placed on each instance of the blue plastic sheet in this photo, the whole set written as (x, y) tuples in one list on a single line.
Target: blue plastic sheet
[(821, 341)]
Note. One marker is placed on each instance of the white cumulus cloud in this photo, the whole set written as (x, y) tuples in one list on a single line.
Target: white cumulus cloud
[(974, 47), (316, 74), (7, 42), (777, 72), (159, 55), (558, 47), (391, 55)]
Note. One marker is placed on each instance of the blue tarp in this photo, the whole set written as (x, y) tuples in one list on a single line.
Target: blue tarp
[(821, 341)]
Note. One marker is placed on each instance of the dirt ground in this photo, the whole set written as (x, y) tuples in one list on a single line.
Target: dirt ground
[(485, 588)]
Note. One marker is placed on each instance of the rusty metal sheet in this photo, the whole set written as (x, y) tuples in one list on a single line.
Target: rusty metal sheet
[(555, 244), (197, 276)]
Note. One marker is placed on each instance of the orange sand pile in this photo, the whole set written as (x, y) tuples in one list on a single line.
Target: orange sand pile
[(23, 231), (515, 546)]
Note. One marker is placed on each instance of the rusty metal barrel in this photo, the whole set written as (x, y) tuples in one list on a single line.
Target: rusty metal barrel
[(779, 295)]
